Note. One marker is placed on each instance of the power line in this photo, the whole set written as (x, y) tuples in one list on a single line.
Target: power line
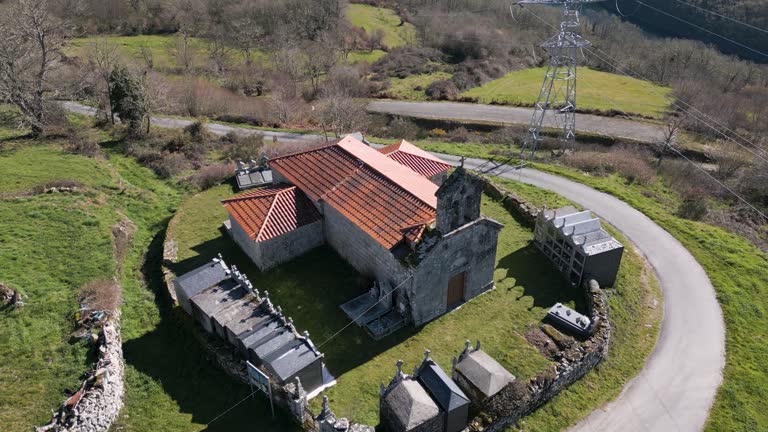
[(365, 311), (616, 67), (231, 408), (742, 199), (703, 29), (722, 16), (720, 183)]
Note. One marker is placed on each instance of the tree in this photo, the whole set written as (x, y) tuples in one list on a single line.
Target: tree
[(669, 131), (103, 57), (127, 97), (339, 114), (30, 50)]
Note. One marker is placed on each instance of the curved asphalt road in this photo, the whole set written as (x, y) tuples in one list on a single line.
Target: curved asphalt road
[(504, 115), (677, 386)]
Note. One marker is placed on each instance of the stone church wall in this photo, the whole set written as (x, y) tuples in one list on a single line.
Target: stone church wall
[(270, 253), (470, 249), (361, 251)]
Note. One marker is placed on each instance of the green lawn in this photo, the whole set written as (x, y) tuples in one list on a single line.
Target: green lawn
[(371, 18), (312, 287), (414, 86), (599, 91)]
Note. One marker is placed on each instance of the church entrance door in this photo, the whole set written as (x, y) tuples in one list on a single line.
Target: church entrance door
[(456, 290)]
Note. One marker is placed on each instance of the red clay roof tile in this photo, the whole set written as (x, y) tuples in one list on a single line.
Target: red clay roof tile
[(414, 158), (377, 194), (272, 211)]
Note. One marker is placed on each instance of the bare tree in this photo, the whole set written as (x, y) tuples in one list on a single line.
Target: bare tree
[(30, 50), (669, 134), (339, 114), (102, 57)]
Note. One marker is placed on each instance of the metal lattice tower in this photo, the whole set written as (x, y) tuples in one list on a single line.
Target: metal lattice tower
[(558, 92)]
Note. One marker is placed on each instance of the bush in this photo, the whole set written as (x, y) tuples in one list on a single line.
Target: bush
[(442, 90), (406, 61), (242, 147), (83, 145), (692, 208), (168, 165), (402, 128), (437, 132), (630, 164), (212, 175), (459, 135)]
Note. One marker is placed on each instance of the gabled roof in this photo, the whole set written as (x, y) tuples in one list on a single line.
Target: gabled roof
[(203, 277), (484, 372), (272, 211), (414, 158), (377, 194), (447, 394), (411, 404)]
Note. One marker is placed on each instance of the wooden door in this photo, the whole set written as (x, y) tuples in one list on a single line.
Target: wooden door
[(456, 290)]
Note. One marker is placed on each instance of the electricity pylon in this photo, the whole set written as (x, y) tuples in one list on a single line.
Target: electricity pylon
[(558, 92)]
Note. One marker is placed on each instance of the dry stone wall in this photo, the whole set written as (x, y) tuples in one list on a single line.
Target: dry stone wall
[(96, 405)]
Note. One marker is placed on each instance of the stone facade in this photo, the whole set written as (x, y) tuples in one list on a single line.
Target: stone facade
[(270, 253), (471, 250), (361, 251), (458, 200)]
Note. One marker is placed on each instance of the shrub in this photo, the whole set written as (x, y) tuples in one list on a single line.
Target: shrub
[(442, 90), (102, 294), (403, 128), (242, 147), (83, 145), (459, 135), (212, 175), (692, 208), (437, 132), (169, 164), (630, 164), (406, 61)]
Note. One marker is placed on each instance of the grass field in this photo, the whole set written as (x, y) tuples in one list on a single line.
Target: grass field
[(371, 19), (311, 288), (356, 57), (414, 86), (596, 91)]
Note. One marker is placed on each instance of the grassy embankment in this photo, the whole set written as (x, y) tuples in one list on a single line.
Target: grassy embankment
[(311, 288), (54, 243), (414, 86), (372, 19), (597, 91)]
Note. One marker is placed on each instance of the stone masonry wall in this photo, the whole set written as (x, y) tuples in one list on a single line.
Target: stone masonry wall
[(518, 399), (102, 392), (270, 253), (361, 251), (518, 207), (470, 249)]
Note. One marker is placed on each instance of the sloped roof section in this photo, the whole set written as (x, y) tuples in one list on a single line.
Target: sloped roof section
[(484, 372), (377, 194), (411, 404), (273, 211), (415, 158), (447, 394)]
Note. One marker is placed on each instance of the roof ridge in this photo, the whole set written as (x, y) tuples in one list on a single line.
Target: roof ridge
[(304, 151), (387, 177), (269, 213)]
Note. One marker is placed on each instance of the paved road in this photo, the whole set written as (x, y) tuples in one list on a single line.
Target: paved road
[(608, 126), (677, 386), (216, 128)]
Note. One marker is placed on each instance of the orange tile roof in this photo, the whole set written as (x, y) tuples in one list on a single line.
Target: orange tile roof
[(272, 211), (377, 194), (414, 158)]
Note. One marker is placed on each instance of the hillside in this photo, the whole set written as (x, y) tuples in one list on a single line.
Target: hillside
[(752, 12)]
